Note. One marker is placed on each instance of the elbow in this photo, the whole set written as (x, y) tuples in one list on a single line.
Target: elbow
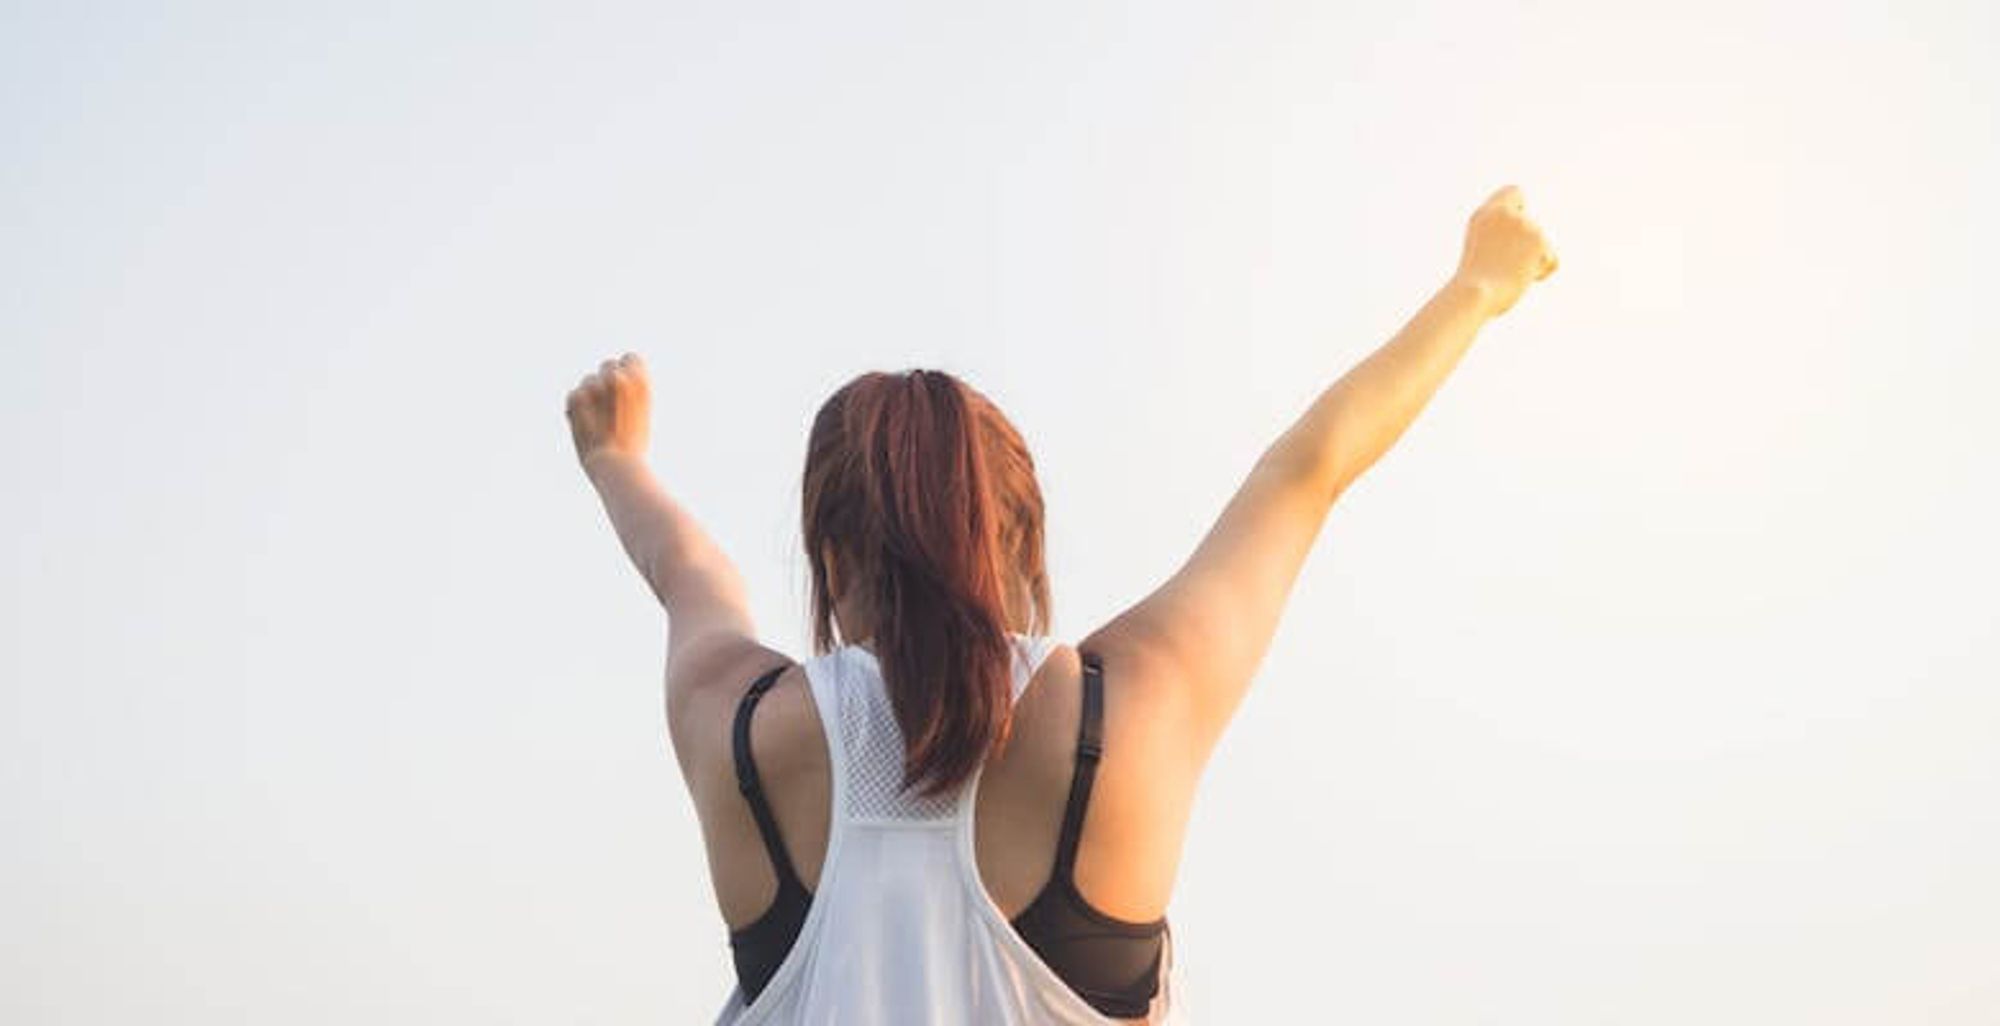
[(1318, 465)]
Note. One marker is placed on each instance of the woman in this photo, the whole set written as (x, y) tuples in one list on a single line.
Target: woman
[(949, 817)]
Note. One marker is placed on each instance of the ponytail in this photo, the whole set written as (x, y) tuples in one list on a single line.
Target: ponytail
[(930, 496)]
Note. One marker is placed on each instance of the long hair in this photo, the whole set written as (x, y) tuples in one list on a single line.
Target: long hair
[(927, 497)]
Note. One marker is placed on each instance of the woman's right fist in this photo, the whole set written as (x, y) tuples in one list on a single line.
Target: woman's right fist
[(1505, 252)]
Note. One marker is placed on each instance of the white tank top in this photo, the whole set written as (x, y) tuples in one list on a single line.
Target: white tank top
[(901, 928)]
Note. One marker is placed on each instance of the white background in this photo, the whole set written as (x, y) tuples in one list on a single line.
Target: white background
[(1650, 680)]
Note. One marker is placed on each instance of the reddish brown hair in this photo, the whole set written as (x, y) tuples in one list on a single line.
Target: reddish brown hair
[(927, 497)]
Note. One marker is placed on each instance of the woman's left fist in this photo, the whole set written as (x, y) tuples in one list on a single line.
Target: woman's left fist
[(609, 410)]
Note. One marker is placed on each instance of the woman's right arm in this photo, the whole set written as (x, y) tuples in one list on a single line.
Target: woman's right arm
[(1197, 641), (1360, 416)]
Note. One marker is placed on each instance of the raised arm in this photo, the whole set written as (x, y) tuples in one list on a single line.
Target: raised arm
[(1200, 636), (708, 612)]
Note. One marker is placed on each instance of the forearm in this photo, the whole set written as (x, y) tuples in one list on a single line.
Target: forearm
[(664, 541), (1359, 417)]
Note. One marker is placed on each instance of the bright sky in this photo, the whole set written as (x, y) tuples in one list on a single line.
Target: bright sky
[(1650, 680)]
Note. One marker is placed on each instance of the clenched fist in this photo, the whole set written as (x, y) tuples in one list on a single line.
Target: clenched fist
[(1505, 252), (609, 411)]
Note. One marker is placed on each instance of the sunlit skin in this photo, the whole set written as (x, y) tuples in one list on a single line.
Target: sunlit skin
[(1177, 663)]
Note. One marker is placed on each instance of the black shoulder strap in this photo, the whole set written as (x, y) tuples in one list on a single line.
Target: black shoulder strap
[(1089, 746), (753, 788)]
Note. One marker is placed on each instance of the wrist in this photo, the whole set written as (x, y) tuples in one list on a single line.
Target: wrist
[(1476, 292), (606, 459)]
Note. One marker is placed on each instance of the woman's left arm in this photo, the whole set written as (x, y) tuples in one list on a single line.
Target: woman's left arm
[(695, 581)]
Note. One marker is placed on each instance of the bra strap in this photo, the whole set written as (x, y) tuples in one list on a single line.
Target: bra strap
[(753, 788), (1089, 747)]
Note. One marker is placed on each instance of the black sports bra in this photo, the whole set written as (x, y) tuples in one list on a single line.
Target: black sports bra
[(1114, 964)]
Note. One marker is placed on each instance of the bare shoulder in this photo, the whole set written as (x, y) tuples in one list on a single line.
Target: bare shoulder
[(1136, 820), (1146, 681), (1143, 717), (788, 747), (701, 717)]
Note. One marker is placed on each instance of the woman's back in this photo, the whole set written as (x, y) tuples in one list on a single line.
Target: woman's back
[(914, 899), (1176, 665)]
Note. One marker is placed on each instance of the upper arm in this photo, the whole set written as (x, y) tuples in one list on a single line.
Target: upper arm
[(711, 638), (1202, 634)]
